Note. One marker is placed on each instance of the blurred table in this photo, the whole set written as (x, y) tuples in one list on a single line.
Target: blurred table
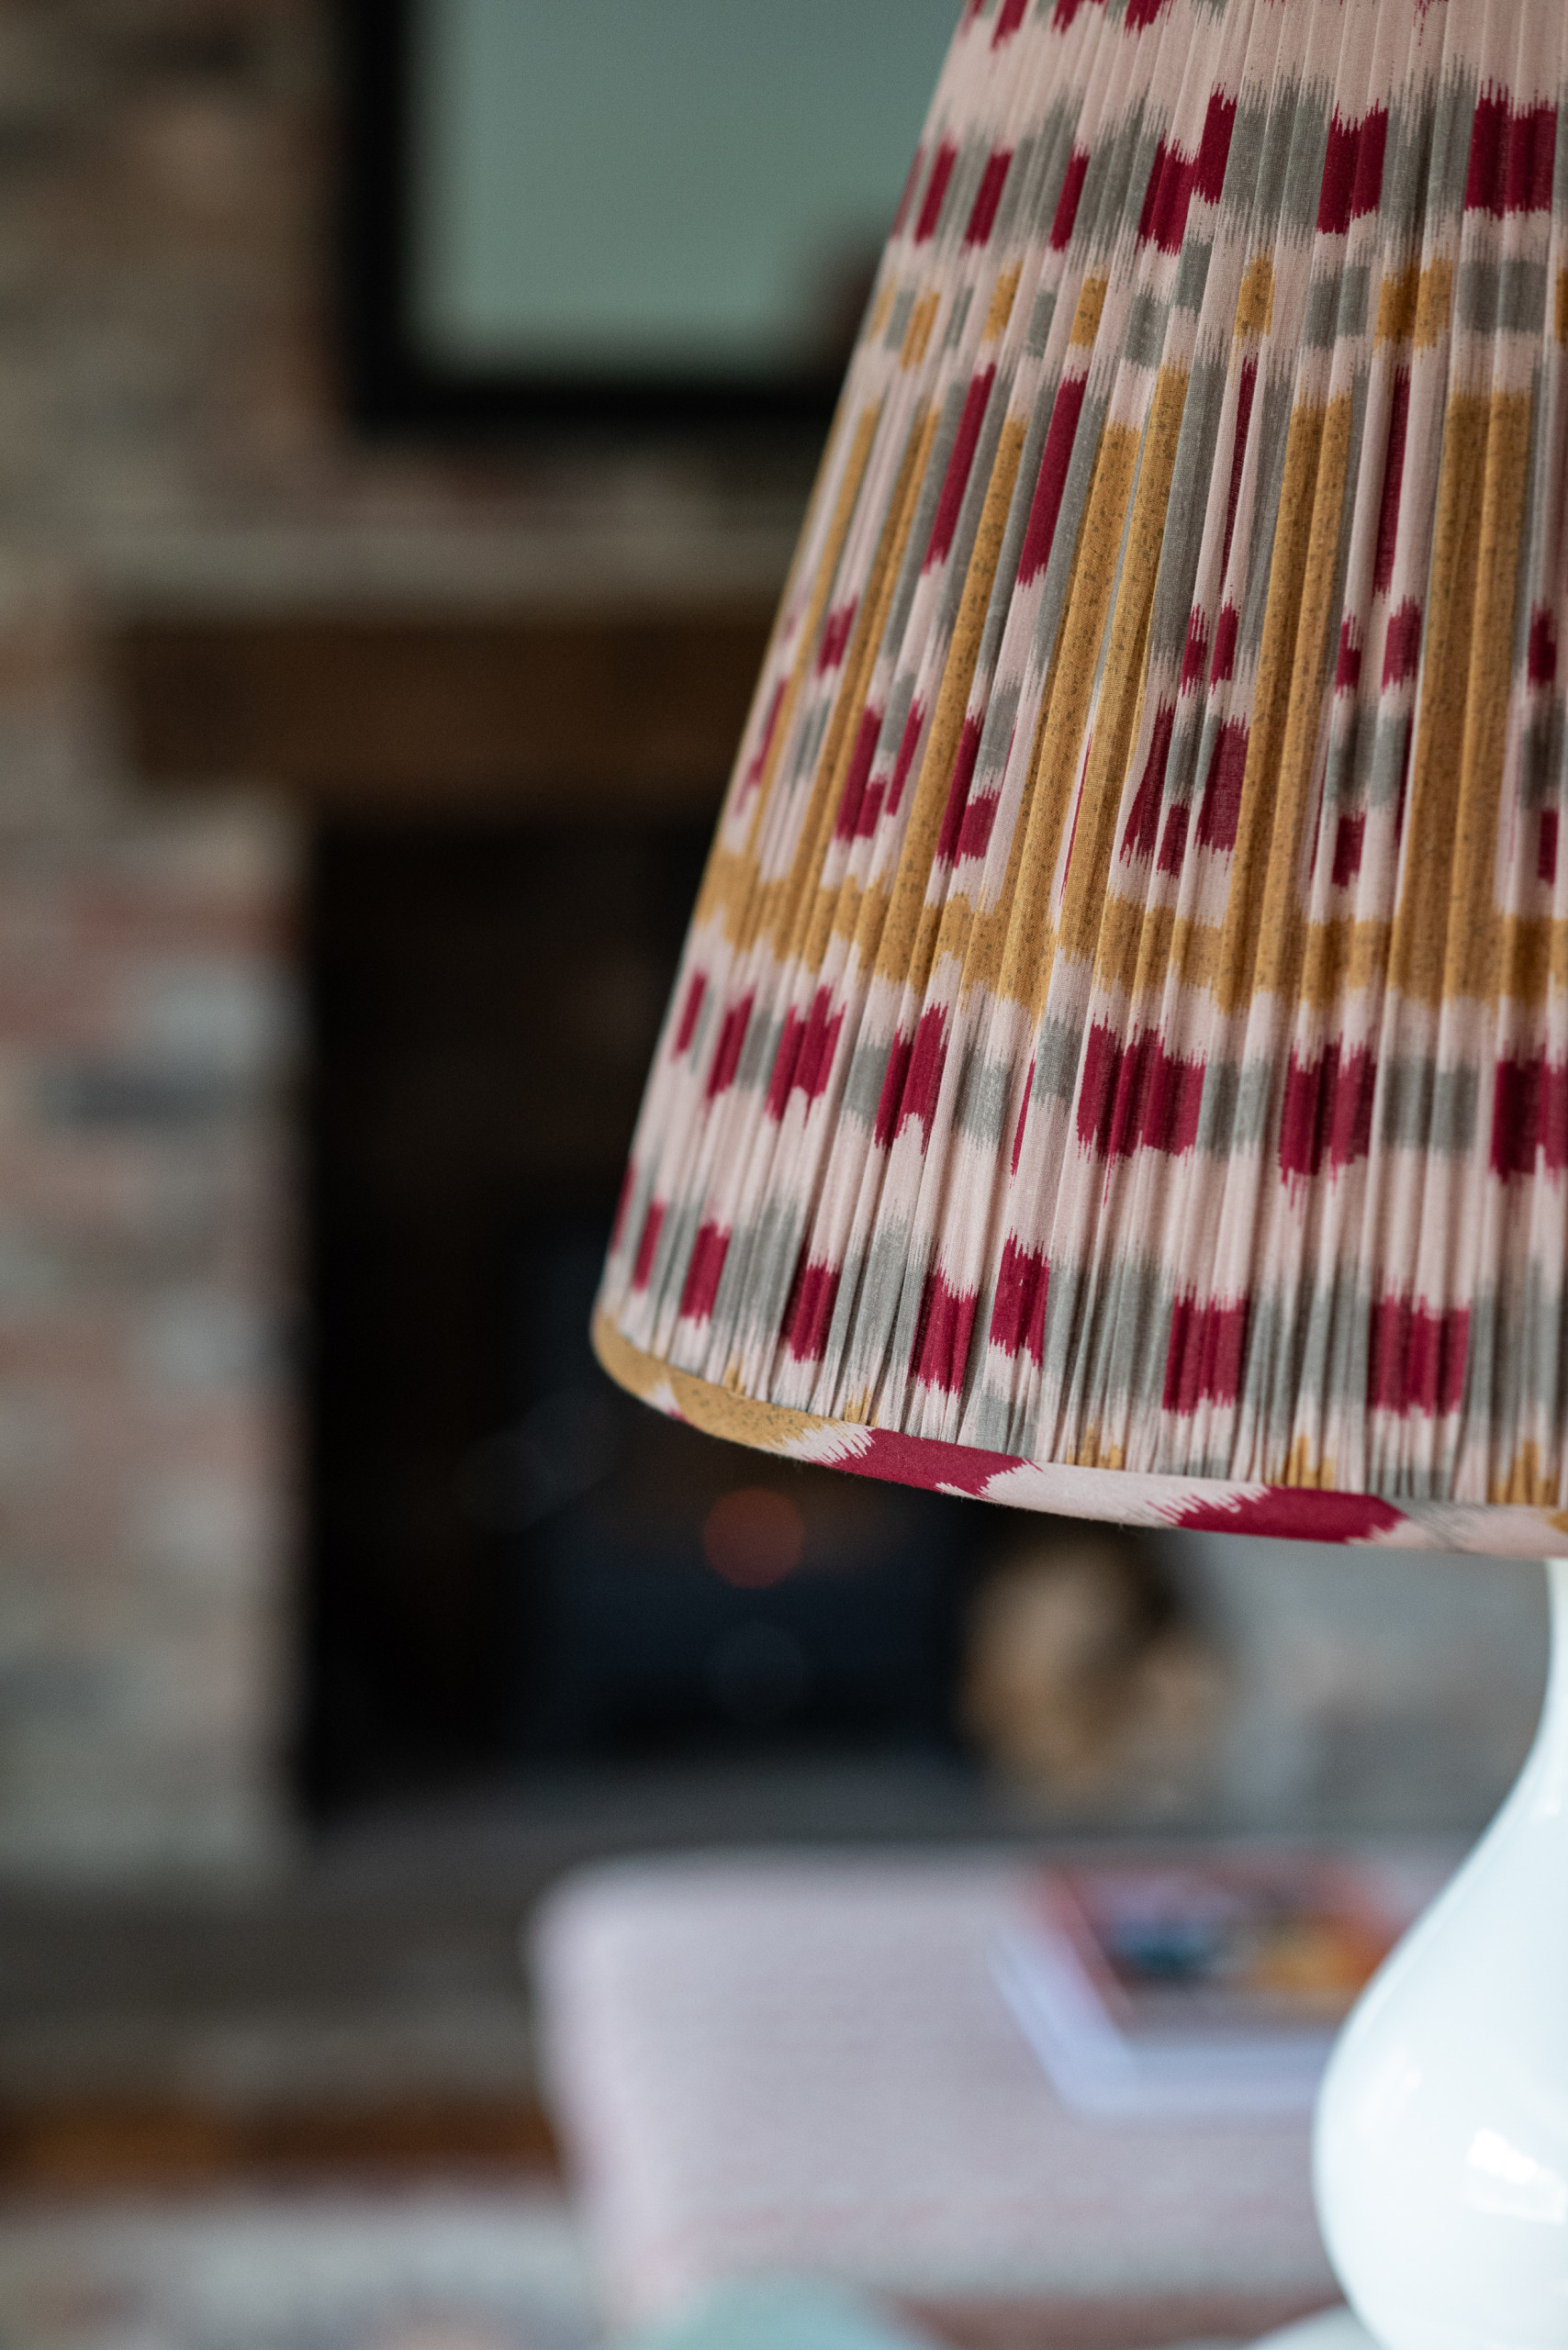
[(802, 2066)]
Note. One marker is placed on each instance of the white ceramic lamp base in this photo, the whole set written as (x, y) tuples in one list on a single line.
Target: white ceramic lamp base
[(1441, 2147)]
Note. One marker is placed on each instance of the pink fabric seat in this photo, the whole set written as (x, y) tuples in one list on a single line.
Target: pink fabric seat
[(802, 2065)]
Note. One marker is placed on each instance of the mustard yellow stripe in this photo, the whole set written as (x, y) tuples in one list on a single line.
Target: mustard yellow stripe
[(1343, 956), (1532, 960), (1304, 1467), (1263, 794), (1434, 305), (1447, 925), (1090, 310), (1340, 958), (1527, 1483), (1255, 298), (1415, 306), (1396, 301), (1002, 298), (1122, 686), (1021, 923), (922, 317), (1281, 942)]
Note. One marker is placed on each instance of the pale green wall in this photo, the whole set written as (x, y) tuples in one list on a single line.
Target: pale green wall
[(662, 183)]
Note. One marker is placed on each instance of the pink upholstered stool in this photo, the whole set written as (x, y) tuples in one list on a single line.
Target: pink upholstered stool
[(802, 2064)]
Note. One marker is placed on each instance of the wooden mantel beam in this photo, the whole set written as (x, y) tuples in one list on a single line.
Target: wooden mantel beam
[(633, 713)]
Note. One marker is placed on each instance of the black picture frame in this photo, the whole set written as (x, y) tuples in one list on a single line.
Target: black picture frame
[(394, 388)]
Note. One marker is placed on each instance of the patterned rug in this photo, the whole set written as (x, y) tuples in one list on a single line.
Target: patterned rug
[(435, 2269)]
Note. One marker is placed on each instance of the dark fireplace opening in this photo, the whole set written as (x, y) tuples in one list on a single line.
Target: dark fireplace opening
[(513, 1567), (680, 1595)]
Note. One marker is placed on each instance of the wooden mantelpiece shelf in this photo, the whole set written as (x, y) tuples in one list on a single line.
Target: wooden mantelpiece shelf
[(630, 713)]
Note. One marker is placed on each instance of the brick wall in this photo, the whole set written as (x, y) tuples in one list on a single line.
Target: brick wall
[(161, 221), (147, 1440), (162, 361), (147, 1038)]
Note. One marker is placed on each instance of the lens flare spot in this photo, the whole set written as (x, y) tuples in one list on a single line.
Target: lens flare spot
[(754, 1538)]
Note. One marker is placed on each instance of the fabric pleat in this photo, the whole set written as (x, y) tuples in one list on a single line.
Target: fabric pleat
[(1120, 1059)]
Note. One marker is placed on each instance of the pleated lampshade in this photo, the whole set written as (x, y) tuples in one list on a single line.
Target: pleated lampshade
[(1120, 1059)]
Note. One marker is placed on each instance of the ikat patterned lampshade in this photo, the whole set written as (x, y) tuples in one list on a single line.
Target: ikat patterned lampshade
[(1120, 1059)]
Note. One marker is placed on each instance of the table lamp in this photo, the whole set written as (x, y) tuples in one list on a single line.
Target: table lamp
[(1119, 1063)]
